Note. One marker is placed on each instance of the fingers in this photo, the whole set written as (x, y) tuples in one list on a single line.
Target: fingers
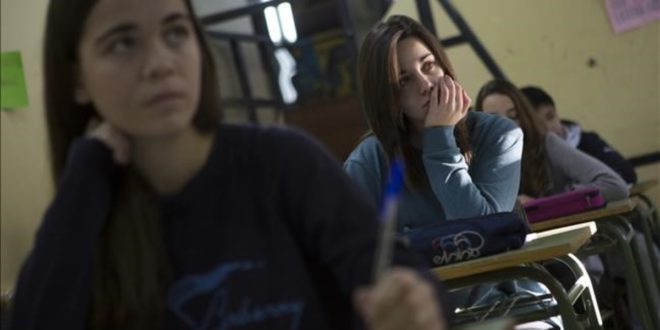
[(525, 198), (458, 96), (92, 124), (400, 300), (361, 302), (447, 93), (452, 103), (112, 138), (122, 153), (435, 97), (466, 100), (391, 304)]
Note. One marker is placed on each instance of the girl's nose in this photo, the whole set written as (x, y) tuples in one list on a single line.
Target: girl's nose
[(158, 62), (426, 84)]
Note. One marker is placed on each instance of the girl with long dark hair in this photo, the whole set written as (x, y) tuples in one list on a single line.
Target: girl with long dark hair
[(165, 218)]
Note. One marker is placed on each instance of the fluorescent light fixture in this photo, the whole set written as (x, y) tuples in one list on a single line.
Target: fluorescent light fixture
[(287, 22), (273, 24), (287, 71), (280, 23)]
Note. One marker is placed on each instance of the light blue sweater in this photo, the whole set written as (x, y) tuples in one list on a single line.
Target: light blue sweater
[(488, 185)]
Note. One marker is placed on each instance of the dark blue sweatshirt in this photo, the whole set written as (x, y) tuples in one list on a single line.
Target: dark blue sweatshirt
[(270, 234)]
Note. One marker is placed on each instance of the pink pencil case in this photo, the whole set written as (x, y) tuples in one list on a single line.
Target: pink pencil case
[(562, 204)]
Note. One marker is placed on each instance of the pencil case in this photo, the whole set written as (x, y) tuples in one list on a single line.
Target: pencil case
[(464, 239), (562, 204)]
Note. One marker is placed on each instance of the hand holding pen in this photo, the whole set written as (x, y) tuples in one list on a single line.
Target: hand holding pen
[(399, 297)]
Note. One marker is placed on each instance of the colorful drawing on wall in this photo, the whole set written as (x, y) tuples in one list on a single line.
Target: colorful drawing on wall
[(630, 14), (13, 90), (324, 65)]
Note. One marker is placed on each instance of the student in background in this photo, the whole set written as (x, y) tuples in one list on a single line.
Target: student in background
[(588, 142), (165, 219), (459, 164), (549, 164)]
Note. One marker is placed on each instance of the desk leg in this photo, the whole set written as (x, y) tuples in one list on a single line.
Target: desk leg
[(621, 230), (653, 216), (566, 310), (645, 219), (648, 284), (583, 282)]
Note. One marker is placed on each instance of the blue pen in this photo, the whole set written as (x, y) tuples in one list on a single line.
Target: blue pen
[(388, 214)]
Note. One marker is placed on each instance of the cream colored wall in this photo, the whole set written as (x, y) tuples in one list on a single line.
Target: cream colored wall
[(543, 42), (25, 178), (549, 44)]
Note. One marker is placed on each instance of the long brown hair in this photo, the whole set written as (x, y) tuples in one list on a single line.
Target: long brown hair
[(535, 180), (379, 92), (130, 273)]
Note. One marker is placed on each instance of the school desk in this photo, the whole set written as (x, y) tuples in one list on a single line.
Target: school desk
[(649, 222), (642, 187), (616, 232), (612, 209), (522, 263), (651, 212)]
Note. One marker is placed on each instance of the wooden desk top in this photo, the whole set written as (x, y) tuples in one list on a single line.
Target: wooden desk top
[(642, 187), (613, 208), (538, 247)]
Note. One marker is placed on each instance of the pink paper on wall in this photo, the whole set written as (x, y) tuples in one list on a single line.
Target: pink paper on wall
[(629, 14)]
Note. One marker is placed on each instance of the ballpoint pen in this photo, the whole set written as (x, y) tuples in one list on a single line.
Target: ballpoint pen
[(388, 213)]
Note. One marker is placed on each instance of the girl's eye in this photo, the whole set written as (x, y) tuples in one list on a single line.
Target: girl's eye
[(176, 35), (428, 66), (121, 45)]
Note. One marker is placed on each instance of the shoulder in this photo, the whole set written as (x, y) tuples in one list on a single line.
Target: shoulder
[(482, 124), (488, 131), (553, 141), (275, 154), (368, 150), (270, 145), (592, 139), (262, 137), (557, 149)]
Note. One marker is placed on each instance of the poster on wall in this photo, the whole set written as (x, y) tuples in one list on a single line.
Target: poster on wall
[(626, 15), (324, 65), (13, 91)]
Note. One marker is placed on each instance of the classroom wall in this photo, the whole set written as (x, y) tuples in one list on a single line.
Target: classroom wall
[(25, 179), (618, 96), (607, 82)]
